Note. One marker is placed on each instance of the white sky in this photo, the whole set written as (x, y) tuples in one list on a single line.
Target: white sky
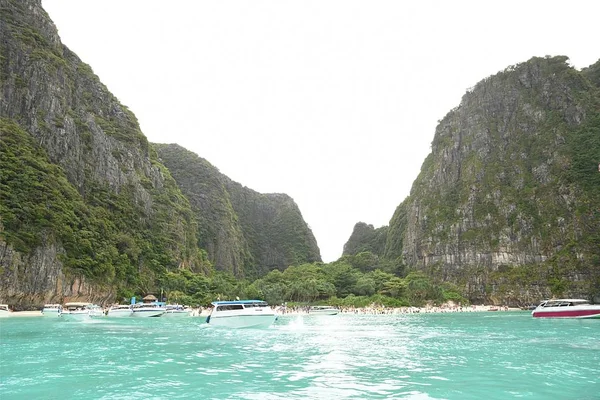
[(334, 103)]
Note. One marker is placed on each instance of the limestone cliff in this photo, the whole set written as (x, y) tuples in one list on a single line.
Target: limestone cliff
[(244, 232), (507, 203), (366, 238), (114, 205), (87, 210)]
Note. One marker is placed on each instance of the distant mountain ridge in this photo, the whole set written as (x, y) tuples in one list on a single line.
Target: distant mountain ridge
[(87, 209), (507, 204)]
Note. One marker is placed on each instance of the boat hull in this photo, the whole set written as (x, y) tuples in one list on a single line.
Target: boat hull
[(147, 313), (324, 312), (119, 314), (76, 316), (176, 314), (52, 310), (581, 313), (242, 321)]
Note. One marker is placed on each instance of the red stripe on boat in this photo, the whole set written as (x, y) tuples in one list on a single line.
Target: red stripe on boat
[(565, 314)]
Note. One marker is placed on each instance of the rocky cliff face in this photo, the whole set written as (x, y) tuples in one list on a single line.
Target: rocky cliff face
[(273, 225), (510, 188), (244, 232), (87, 211), (77, 124), (366, 238)]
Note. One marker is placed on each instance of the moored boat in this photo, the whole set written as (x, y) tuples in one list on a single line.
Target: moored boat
[(323, 310), (120, 311), (241, 314), (176, 310), (4, 311), (81, 310), (148, 310), (566, 308), (52, 310)]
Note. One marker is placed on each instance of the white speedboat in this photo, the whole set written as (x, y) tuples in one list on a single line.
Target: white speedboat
[(566, 308), (81, 310), (241, 314), (52, 310), (148, 310), (176, 310), (4, 311), (120, 311), (323, 310)]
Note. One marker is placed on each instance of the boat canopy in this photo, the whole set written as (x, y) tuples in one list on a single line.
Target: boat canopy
[(77, 304), (251, 303), (563, 302)]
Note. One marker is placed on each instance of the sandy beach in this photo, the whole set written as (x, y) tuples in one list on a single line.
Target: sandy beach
[(25, 314), (405, 310), (365, 310)]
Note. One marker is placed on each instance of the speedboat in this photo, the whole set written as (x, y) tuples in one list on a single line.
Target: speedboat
[(81, 310), (52, 310), (566, 308), (120, 311), (241, 314), (4, 311), (323, 310), (176, 310), (148, 310)]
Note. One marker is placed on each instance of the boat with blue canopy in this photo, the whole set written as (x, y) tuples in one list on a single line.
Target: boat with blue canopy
[(241, 314)]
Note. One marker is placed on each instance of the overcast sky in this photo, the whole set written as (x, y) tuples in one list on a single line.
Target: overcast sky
[(334, 103)]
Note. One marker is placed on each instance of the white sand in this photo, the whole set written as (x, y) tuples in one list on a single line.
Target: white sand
[(25, 314)]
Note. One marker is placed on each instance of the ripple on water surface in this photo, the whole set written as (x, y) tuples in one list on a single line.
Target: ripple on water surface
[(432, 356)]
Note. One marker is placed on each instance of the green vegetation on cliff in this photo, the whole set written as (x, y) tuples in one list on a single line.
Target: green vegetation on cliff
[(38, 205), (78, 178), (101, 234), (366, 238), (244, 232)]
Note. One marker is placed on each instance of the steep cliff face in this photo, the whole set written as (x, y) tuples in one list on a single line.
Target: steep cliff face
[(87, 210), (593, 73), (244, 232), (130, 219), (508, 201), (366, 238), (276, 233)]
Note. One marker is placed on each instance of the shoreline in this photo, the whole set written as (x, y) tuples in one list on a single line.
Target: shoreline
[(19, 314), (408, 310), (364, 311)]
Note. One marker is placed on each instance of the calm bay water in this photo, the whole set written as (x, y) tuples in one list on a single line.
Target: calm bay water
[(501, 355)]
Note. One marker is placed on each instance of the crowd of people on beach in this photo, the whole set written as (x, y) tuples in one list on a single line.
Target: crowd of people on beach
[(377, 309), (373, 309)]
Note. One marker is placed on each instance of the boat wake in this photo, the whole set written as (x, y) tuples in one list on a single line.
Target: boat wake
[(296, 324)]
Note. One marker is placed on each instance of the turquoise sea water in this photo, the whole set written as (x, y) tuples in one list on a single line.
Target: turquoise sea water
[(502, 355)]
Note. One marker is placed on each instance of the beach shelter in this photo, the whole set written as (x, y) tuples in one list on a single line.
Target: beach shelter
[(149, 299)]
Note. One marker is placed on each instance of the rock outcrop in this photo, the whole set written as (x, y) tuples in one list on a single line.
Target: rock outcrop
[(511, 188), (243, 231), (366, 238)]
